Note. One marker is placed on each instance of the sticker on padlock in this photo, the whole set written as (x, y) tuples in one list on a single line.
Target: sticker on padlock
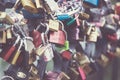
[(58, 37)]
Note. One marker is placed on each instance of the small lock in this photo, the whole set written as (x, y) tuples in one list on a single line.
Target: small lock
[(3, 37), (9, 34), (33, 70), (21, 75), (93, 35), (53, 25)]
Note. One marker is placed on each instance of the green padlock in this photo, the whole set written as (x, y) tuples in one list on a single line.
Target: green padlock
[(64, 47)]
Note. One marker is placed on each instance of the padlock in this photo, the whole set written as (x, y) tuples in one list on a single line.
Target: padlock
[(110, 19), (11, 50), (84, 16), (93, 35), (3, 37), (9, 33), (74, 75), (53, 25), (39, 4), (33, 70), (4, 17), (81, 58), (58, 37), (37, 41), (73, 33), (91, 2), (64, 47), (87, 69), (103, 61), (66, 54), (44, 40), (17, 54), (29, 6), (117, 8), (63, 76)]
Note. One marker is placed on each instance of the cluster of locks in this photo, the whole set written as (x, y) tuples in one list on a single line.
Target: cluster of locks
[(58, 39)]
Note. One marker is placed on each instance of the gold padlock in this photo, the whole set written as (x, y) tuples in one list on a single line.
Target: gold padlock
[(29, 6), (53, 25), (39, 4), (9, 33), (4, 17), (33, 70), (2, 37), (93, 35)]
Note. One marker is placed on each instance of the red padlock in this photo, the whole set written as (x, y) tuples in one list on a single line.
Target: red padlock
[(58, 37), (67, 54), (37, 41)]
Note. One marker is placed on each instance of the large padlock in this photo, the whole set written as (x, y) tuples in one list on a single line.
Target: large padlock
[(93, 35), (58, 37), (4, 17), (117, 8), (29, 6)]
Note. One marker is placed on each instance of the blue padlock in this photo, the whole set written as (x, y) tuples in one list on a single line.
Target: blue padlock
[(63, 17)]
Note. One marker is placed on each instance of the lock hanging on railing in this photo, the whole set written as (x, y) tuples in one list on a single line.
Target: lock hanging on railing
[(58, 37)]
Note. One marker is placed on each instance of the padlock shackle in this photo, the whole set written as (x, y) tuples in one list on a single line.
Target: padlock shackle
[(62, 26), (7, 77)]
